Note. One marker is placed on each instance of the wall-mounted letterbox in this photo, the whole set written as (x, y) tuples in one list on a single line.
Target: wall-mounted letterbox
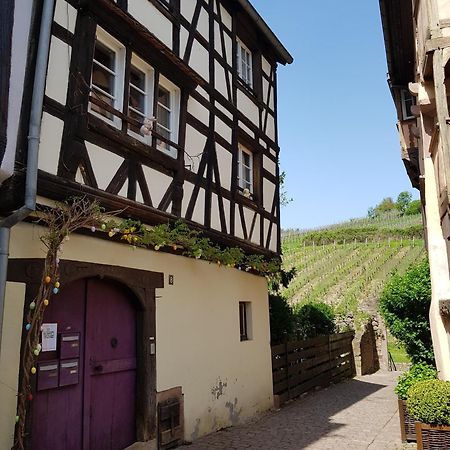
[(69, 372), (47, 375), (69, 345)]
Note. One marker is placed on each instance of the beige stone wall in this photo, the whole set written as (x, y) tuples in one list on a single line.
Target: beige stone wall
[(224, 381)]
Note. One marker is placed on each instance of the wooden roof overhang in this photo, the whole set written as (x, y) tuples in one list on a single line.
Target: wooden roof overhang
[(398, 30), (282, 55), (132, 32)]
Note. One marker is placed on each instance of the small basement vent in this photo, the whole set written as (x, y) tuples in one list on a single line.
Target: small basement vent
[(169, 424)]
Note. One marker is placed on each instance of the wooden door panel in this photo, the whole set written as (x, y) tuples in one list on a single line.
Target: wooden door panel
[(57, 413), (111, 375)]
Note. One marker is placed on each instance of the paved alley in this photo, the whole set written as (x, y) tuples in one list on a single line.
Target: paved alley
[(356, 414)]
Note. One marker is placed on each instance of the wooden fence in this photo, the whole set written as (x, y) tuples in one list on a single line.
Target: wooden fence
[(299, 366)]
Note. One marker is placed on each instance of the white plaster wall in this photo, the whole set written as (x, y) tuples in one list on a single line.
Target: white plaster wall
[(187, 8), (246, 105), (249, 215), (224, 160), (152, 19), (220, 107), (198, 214), (157, 184), (198, 111), (183, 40), (199, 60), (65, 15), (220, 80), (58, 70), (266, 66), (203, 24), (273, 239), (238, 231), (223, 129), (104, 164), (195, 144), (21, 28), (245, 128), (268, 194), (224, 381), (228, 53), (226, 18), (270, 131), (269, 165), (50, 143), (10, 360)]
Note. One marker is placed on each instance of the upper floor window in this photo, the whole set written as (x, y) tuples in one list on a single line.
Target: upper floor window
[(244, 64), (245, 169), (109, 94), (408, 101)]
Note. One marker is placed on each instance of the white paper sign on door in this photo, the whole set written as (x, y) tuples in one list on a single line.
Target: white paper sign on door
[(49, 334)]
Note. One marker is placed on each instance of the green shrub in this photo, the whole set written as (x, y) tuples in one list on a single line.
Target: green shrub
[(281, 318), (418, 372), (404, 305), (429, 402), (314, 319)]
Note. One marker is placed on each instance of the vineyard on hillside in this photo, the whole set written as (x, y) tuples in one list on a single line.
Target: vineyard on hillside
[(347, 265)]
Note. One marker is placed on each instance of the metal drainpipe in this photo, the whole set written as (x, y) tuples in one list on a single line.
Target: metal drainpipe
[(34, 132)]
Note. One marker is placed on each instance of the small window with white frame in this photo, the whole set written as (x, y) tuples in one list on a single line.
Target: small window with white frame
[(245, 169), (245, 321), (244, 63), (107, 76), (408, 101), (167, 115), (140, 100)]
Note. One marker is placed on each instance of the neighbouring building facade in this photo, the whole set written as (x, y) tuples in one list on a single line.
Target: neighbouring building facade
[(417, 40), (145, 338)]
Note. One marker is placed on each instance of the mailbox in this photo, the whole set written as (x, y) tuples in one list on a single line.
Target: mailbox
[(69, 372), (69, 345), (47, 375)]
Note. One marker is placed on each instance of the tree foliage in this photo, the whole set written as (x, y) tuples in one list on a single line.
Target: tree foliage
[(413, 208), (403, 201), (404, 305), (314, 319)]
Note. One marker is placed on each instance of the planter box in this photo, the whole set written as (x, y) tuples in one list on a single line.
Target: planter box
[(407, 423), (432, 437)]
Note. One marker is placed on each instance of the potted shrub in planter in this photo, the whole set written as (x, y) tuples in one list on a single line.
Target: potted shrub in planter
[(418, 372), (429, 404)]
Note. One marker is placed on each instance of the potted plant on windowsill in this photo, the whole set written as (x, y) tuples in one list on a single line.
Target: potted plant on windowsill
[(418, 372), (429, 404)]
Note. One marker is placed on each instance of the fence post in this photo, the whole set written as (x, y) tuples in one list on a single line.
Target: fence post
[(329, 359), (352, 355), (287, 369)]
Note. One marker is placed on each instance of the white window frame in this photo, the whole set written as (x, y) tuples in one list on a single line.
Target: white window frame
[(119, 50), (149, 86), (243, 184), (405, 115), (243, 76), (174, 115)]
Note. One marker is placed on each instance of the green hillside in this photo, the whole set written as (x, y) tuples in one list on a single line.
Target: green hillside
[(348, 264)]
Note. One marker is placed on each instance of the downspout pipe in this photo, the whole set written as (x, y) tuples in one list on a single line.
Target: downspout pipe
[(34, 132)]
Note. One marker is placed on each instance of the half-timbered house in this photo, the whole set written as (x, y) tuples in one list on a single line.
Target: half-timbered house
[(162, 110), (417, 40)]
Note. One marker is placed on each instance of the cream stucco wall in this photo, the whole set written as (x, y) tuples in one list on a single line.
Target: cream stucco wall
[(9, 361), (224, 381)]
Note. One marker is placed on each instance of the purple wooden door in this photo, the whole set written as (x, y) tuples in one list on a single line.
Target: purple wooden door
[(92, 404)]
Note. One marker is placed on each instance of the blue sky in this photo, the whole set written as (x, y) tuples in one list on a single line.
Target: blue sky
[(339, 144)]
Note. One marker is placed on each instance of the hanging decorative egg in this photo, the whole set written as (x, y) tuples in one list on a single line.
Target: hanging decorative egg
[(33, 370), (32, 305), (39, 347), (57, 261), (55, 290), (28, 326), (30, 397), (47, 279), (46, 302), (103, 227), (93, 229), (36, 352), (111, 234), (57, 285), (17, 419), (157, 247)]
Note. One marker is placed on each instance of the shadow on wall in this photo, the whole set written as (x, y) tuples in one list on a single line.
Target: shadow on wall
[(300, 423)]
